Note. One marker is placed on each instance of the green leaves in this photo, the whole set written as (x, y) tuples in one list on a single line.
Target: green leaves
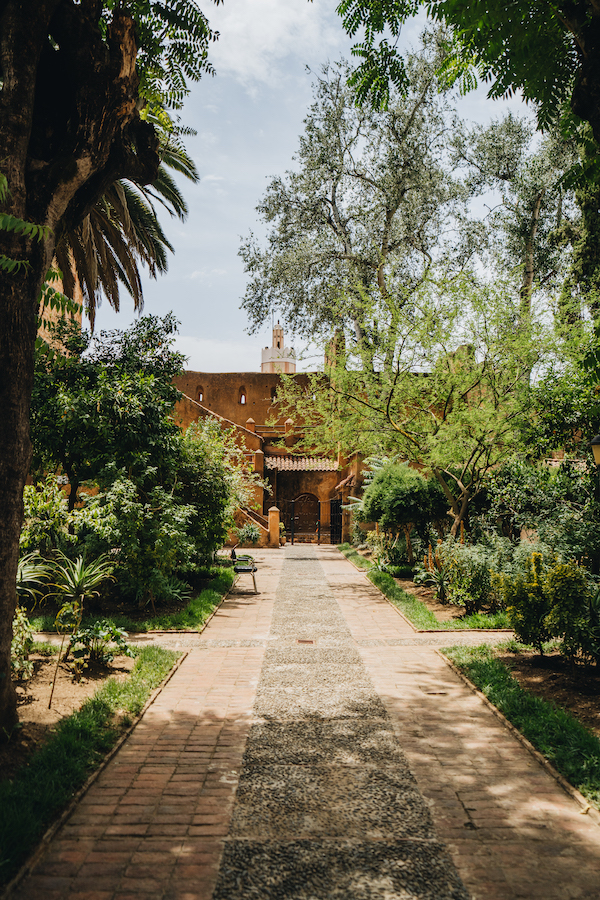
[(515, 46), (174, 37), (27, 229), (10, 223)]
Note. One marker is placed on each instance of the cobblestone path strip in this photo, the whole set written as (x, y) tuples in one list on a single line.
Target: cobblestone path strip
[(326, 806)]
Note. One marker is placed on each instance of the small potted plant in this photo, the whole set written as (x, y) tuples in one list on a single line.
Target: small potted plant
[(282, 534)]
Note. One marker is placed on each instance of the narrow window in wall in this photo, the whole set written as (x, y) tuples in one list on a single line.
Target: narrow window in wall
[(200, 394), (243, 396), (273, 394)]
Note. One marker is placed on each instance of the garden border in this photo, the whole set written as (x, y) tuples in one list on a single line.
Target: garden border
[(365, 572), (586, 808), (32, 860), (42, 846), (47, 634)]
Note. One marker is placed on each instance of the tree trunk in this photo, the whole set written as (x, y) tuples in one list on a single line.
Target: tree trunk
[(69, 127), (529, 269), (17, 339), (409, 547), (460, 514)]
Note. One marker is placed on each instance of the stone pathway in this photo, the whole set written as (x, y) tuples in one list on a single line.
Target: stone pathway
[(310, 747)]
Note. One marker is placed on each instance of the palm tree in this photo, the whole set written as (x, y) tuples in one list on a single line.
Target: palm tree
[(122, 231)]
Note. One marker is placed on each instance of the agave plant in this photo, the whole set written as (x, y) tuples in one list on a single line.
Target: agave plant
[(33, 576), (77, 580)]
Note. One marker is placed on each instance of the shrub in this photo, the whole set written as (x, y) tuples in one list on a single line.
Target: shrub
[(21, 645), (249, 533), (470, 578), (147, 539), (33, 575), (554, 600), (402, 500), (47, 519), (98, 642), (528, 604)]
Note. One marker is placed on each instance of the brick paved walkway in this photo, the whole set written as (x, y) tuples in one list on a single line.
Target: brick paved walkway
[(155, 822)]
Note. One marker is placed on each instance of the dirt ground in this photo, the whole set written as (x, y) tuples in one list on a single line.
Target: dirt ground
[(444, 612), (36, 721), (551, 678)]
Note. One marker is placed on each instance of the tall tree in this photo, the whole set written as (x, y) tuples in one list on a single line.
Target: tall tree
[(78, 82), (122, 231), (105, 403), (453, 400), (535, 209), (364, 218)]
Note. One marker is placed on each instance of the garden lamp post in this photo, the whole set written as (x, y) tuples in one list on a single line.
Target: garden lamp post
[(596, 449)]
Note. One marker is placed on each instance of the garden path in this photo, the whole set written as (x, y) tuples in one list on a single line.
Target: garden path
[(313, 746)]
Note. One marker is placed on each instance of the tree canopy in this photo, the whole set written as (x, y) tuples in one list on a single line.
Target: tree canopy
[(547, 51), (367, 213), (106, 404)]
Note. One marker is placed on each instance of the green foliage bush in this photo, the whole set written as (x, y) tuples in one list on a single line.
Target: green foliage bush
[(469, 576), (98, 642), (147, 539), (554, 599), (402, 500), (21, 645), (103, 411), (47, 520), (249, 533), (561, 505), (527, 603), (471, 572)]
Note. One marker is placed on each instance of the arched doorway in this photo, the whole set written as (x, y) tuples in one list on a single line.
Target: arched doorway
[(306, 514)]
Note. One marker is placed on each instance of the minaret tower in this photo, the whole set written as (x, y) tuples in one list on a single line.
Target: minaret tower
[(278, 358)]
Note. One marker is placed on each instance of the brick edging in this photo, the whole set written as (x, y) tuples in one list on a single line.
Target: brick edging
[(42, 846), (586, 808)]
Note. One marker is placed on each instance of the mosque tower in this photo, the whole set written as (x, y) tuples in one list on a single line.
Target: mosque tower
[(278, 358)]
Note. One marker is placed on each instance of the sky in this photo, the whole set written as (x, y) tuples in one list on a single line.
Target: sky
[(248, 119)]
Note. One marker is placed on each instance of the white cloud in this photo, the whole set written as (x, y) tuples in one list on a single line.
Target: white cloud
[(206, 275), (257, 36)]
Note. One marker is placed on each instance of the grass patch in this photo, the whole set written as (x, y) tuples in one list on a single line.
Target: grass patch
[(198, 609), (564, 741), (413, 608), (192, 616), (42, 788), (354, 556), (43, 648), (481, 620)]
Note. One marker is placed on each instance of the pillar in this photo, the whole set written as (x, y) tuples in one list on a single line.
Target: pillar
[(274, 526), (259, 462), (289, 432)]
